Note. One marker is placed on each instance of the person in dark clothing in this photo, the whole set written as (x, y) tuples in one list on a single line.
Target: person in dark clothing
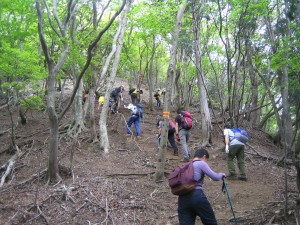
[(183, 135), (171, 134), (135, 95), (195, 203), (157, 95), (116, 95)]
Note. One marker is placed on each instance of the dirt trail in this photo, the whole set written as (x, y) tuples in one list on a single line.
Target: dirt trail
[(118, 188)]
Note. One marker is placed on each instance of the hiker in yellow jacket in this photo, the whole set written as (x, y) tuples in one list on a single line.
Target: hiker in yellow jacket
[(100, 102), (135, 95)]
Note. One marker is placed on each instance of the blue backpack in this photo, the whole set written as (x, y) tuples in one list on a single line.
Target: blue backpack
[(139, 111), (240, 134)]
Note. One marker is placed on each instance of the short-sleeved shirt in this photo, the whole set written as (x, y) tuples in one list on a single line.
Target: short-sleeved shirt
[(230, 134)]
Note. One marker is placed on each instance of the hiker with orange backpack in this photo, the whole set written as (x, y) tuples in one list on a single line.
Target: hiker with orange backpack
[(183, 127), (171, 134)]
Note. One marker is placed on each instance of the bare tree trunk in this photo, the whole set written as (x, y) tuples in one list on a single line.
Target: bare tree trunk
[(104, 142), (53, 123), (204, 110), (108, 59), (159, 173), (253, 116), (150, 75), (53, 69), (77, 119), (92, 101)]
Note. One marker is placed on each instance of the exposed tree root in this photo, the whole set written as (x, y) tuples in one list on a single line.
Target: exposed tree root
[(4, 131), (8, 167)]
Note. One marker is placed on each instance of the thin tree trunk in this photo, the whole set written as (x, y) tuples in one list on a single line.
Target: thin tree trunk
[(104, 142), (53, 69), (53, 123), (205, 136), (77, 119), (171, 71)]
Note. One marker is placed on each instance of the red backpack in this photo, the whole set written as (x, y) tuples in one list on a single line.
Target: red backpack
[(172, 125), (181, 179), (186, 120)]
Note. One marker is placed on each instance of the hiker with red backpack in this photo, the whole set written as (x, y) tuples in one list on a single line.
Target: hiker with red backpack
[(184, 123), (235, 147), (195, 203), (171, 134)]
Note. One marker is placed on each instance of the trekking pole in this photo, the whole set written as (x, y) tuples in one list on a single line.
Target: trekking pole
[(224, 187)]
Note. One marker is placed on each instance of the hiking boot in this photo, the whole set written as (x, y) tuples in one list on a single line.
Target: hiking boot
[(175, 153), (243, 178), (138, 137), (231, 177)]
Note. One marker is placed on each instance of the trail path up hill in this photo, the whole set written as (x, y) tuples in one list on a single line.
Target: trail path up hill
[(118, 188)]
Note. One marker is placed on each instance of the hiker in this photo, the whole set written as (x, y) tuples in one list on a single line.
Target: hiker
[(135, 95), (182, 134), (234, 148), (136, 115), (116, 95), (100, 102), (171, 134), (195, 203), (157, 95)]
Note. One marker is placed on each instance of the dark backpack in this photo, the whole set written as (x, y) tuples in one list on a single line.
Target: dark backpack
[(131, 90), (181, 179), (240, 134), (186, 120)]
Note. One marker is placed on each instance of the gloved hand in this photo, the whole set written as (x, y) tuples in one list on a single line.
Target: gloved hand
[(227, 149), (177, 138)]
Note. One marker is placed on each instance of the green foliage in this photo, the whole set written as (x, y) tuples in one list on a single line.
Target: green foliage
[(33, 103)]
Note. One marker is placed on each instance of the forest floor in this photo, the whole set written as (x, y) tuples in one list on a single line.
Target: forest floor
[(119, 188)]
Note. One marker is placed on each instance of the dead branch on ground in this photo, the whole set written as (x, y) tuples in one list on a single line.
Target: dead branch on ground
[(129, 174)]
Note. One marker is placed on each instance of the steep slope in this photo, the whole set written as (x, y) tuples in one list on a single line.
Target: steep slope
[(118, 188)]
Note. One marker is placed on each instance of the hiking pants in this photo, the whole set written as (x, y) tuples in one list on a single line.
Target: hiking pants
[(195, 204), (171, 138), (136, 120), (117, 102), (158, 102), (134, 98), (184, 136), (238, 152)]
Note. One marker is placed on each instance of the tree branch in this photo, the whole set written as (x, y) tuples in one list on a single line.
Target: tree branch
[(89, 58)]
